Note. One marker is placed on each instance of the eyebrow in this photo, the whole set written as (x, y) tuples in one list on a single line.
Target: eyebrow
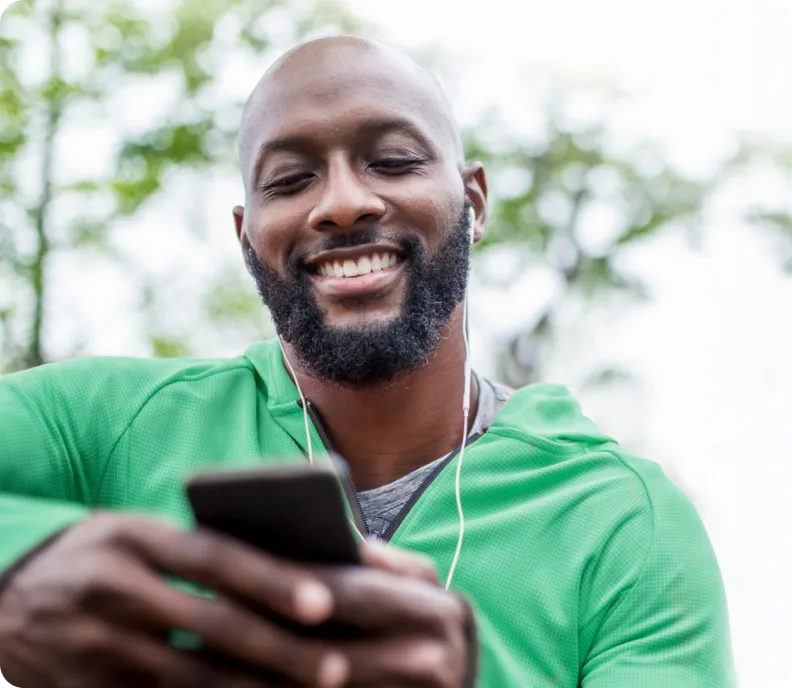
[(379, 126), (383, 126), (288, 143)]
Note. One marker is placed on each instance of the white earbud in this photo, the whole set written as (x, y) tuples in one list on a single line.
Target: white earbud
[(472, 216)]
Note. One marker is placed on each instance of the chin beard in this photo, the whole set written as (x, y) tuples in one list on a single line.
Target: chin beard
[(370, 354)]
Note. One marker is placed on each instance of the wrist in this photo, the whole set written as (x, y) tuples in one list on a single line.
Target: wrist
[(7, 575)]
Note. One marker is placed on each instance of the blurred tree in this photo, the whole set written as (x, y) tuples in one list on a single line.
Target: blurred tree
[(63, 60), (568, 198), (774, 162)]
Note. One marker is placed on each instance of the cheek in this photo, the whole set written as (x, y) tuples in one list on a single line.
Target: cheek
[(273, 233), (433, 208)]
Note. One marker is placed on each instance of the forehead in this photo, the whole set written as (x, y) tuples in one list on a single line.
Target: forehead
[(331, 95)]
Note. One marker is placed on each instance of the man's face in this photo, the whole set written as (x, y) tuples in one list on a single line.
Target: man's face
[(356, 222)]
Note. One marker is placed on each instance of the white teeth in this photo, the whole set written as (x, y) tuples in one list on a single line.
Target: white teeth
[(363, 266)]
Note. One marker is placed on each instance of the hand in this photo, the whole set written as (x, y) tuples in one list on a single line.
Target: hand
[(414, 633), (92, 610)]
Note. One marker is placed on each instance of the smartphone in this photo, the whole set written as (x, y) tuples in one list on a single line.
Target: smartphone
[(293, 511)]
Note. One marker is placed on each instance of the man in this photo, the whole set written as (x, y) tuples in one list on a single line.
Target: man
[(583, 566)]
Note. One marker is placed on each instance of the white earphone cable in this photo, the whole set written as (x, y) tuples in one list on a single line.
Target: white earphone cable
[(307, 424), (302, 400), (461, 458), (465, 415)]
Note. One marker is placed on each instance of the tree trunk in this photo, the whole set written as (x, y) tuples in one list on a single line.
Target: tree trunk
[(54, 111)]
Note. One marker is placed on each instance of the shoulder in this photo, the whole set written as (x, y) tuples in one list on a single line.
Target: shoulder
[(123, 372), (113, 384), (624, 507), (669, 509), (551, 420)]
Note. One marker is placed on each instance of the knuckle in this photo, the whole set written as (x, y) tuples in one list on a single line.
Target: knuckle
[(111, 529), (217, 621), (200, 551), (425, 568), (297, 658), (438, 617), (234, 631), (446, 617), (128, 533), (89, 640), (96, 585), (301, 659), (455, 612), (432, 665)]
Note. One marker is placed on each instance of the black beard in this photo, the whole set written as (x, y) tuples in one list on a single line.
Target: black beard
[(371, 354)]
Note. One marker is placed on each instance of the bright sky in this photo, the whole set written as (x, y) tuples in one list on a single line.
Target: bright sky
[(713, 350)]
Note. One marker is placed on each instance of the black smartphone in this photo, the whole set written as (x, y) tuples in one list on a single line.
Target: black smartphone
[(293, 511)]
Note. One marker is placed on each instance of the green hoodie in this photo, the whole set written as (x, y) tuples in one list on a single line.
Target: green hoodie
[(585, 565)]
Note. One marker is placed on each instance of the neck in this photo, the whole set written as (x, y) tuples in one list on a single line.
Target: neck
[(385, 432)]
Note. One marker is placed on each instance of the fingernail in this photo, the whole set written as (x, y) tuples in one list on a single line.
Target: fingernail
[(313, 602), (333, 671)]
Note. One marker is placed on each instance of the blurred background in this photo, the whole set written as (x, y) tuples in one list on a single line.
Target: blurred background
[(639, 251)]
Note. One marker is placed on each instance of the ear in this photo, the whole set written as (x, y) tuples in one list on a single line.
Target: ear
[(239, 222), (476, 192)]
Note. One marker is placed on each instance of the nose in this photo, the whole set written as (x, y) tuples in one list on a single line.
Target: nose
[(346, 200)]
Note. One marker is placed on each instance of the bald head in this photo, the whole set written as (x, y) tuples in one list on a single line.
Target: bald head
[(350, 153), (319, 75)]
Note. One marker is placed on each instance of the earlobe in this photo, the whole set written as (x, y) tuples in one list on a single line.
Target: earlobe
[(476, 192), (239, 222)]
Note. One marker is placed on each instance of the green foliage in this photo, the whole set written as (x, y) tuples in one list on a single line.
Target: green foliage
[(576, 206), (182, 39), (162, 347), (567, 198), (774, 218)]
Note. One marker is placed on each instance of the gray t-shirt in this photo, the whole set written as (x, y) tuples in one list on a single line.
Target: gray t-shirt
[(382, 505)]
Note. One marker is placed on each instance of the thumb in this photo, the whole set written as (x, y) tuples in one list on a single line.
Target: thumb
[(399, 562)]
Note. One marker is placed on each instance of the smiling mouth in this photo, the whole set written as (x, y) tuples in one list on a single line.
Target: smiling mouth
[(361, 273), (358, 267)]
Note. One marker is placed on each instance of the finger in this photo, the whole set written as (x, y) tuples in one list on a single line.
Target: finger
[(404, 662), (229, 629), (116, 657), (374, 600), (172, 669), (233, 568), (399, 562)]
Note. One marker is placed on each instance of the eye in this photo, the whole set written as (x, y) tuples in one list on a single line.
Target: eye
[(396, 164), (287, 184)]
